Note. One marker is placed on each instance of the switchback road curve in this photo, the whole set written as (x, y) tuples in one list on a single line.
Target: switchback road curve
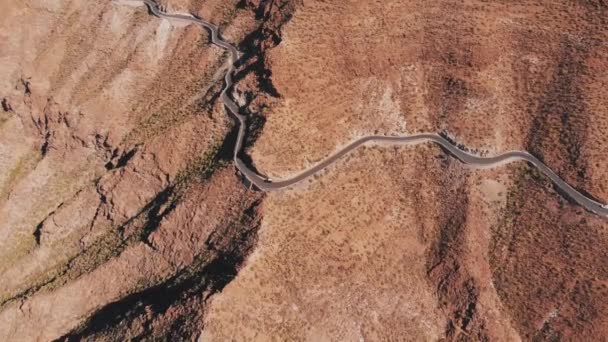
[(265, 184)]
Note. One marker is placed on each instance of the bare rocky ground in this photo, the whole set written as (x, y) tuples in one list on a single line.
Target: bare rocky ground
[(122, 217)]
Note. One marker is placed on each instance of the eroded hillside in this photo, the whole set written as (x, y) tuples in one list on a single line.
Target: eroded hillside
[(111, 130), (122, 215)]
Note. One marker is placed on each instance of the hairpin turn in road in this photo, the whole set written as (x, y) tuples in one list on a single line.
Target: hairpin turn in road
[(265, 184)]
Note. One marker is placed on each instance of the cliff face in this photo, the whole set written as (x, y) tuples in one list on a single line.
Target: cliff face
[(121, 214), (114, 181)]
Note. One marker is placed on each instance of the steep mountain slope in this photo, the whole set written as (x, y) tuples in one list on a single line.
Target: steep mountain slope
[(111, 131), (490, 255), (122, 215)]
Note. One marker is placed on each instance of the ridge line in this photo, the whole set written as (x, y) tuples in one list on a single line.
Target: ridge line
[(266, 184)]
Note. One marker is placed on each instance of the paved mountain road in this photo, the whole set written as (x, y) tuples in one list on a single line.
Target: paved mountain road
[(266, 185)]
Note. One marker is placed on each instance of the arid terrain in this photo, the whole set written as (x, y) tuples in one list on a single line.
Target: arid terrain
[(123, 217)]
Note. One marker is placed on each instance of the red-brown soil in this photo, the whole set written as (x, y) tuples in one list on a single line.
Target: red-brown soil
[(122, 216)]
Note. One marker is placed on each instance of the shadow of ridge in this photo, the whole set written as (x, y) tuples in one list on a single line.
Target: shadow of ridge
[(212, 277), (226, 150), (449, 153), (559, 190), (588, 195), (149, 9), (253, 46), (207, 275), (226, 153), (246, 159), (566, 195), (254, 126)]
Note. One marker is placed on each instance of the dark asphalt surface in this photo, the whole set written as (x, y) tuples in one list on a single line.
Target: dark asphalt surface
[(266, 185)]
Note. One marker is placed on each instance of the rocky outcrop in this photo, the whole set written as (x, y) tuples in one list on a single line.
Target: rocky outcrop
[(122, 217), (493, 77), (98, 210)]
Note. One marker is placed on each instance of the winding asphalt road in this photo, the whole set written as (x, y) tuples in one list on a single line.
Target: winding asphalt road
[(265, 184)]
